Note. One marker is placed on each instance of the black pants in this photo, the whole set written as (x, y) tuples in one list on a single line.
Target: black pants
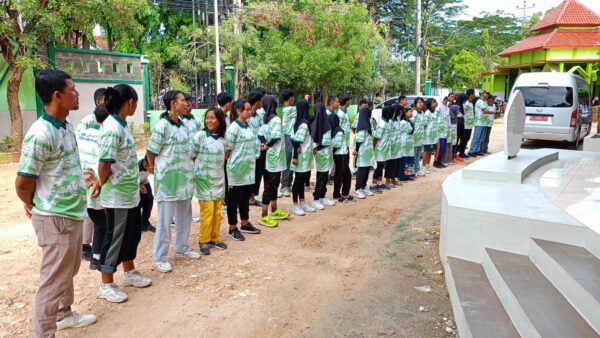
[(391, 168), (298, 188), (239, 197), (486, 140), (362, 177), (271, 184), (460, 133), (146, 204), (321, 185), (463, 135), (259, 171), (123, 232), (98, 217), (226, 182), (343, 177), (379, 170)]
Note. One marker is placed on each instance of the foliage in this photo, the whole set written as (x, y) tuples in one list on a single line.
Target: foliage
[(466, 69)]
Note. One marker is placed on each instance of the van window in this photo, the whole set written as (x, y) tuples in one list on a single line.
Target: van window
[(547, 96)]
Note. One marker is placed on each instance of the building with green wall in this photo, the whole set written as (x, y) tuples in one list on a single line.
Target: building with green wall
[(566, 40)]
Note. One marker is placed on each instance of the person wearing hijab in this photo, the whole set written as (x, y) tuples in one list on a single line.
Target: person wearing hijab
[(321, 135), (363, 150), (407, 151), (340, 157), (392, 165), (382, 141), (430, 139), (443, 127), (302, 158), (271, 140)]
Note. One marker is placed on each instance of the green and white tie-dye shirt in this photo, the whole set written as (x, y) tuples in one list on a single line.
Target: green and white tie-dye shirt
[(86, 122), (305, 157), (395, 139), (490, 117), (49, 154), (419, 120), (443, 124), (209, 173), (324, 158), (480, 116), (276, 158), (407, 142), (366, 155), (383, 147), (469, 115), (345, 125), (452, 134), (328, 111), (89, 152), (121, 189), (431, 127), (255, 123), (241, 142), (191, 123), (354, 122), (340, 142), (289, 118), (173, 166)]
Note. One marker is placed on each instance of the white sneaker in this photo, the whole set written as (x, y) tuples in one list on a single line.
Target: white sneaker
[(285, 192), (367, 192), (188, 254), (330, 200), (223, 210), (307, 208), (297, 210), (196, 219), (317, 205), (111, 293), (163, 266), (358, 194), (326, 201), (421, 173), (75, 320), (135, 278), (428, 170)]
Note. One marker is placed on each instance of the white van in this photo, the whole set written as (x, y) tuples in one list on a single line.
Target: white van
[(557, 106)]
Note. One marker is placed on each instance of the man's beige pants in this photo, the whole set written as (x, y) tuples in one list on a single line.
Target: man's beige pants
[(60, 239)]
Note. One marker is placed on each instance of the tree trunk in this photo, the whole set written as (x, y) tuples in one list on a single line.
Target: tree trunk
[(15, 75), (325, 96)]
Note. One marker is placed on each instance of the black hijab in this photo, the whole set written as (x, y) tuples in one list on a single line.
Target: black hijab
[(461, 99), (388, 112), (302, 114), (269, 104), (320, 123), (334, 121), (364, 120)]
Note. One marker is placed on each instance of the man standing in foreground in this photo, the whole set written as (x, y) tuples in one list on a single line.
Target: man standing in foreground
[(50, 183)]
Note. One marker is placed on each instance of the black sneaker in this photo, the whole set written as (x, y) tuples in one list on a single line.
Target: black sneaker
[(374, 188), (383, 187), (341, 200), (236, 235), (249, 228), (349, 199), (204, 249), (94, 264), (86, 252), (218, 245)]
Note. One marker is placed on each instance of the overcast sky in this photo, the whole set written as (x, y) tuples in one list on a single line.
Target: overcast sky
[(510, 6)]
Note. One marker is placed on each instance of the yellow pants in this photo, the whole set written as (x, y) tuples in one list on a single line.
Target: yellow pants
[(210, 221)]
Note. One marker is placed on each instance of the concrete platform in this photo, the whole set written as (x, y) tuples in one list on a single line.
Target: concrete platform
[(532, 224)]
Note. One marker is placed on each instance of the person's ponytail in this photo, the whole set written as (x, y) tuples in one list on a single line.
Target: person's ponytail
[(116, 96)]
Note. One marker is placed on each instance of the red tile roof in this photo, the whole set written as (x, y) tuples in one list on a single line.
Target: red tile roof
[(557, 38), (569, 13)]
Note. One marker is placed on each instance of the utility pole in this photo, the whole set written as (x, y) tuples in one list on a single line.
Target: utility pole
[(237, 30), (417, 50), (525, 8), (217, 52), (194, 60)]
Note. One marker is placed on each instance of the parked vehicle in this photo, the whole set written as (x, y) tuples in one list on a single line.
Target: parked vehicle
[(410, 98), (557, 105)]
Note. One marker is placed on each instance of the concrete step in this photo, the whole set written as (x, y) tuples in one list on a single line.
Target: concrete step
[(481, 310), (575, 272), (535, 306)]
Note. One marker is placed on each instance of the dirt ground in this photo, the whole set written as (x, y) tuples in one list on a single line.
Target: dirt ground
[(348, 271)]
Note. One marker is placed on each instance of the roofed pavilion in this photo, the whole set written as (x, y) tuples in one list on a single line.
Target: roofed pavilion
[(566, 40)]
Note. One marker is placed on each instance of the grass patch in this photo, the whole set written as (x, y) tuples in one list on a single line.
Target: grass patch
[(413, 266)]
